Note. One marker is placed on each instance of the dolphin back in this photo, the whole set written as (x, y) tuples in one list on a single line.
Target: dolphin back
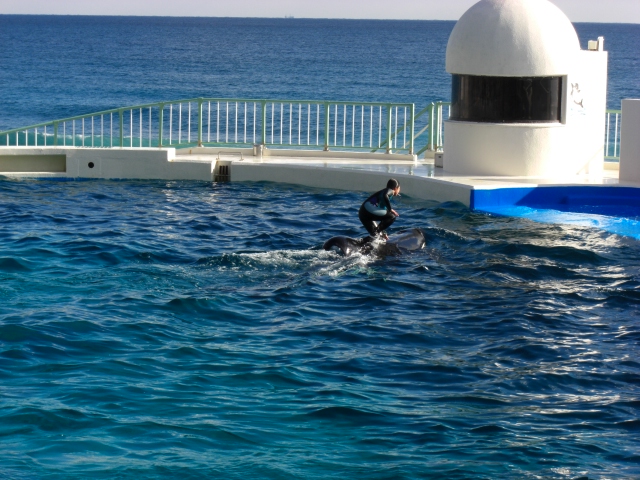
[(345, 245), (409, 240)]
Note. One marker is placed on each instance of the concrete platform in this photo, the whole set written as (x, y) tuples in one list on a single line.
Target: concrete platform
[(419, 178)]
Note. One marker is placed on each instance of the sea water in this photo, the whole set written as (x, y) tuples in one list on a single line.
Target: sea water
[(61, 66), (198, 330)]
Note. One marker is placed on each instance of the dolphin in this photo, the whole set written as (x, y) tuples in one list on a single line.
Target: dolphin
[(406, 241)]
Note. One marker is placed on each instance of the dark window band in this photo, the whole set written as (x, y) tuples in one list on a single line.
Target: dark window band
[(506, 99)]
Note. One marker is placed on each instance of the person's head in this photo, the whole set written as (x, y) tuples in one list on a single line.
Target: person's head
[(394, 185)]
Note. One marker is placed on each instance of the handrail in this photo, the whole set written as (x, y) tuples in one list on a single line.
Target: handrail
[(224, 122), (152, 120), (612, 145), (194, 100), (436, 127), (414, 136)]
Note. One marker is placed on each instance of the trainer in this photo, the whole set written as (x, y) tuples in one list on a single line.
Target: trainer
[(376, 213)]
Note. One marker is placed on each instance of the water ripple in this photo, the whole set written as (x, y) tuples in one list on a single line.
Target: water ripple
[(171, 331)]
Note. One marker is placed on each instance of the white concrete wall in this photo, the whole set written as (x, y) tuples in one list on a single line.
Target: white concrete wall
[(126, 163), (352, 180), (586, 106), (135, 163), (539, 149), (499, 149), (630, 141)]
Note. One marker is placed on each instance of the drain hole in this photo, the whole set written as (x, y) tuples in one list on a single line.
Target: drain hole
[(223, 175), (91, 165)]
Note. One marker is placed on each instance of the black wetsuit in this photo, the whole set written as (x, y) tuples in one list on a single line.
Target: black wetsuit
[(377, 208)]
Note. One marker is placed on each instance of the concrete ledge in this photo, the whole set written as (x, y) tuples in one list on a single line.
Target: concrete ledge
[(339, 154), (419, 180), (424, 188), (611, 166), (215, 151), (293, 153), (109, 163)]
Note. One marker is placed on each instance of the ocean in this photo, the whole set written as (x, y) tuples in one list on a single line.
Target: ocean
[(154, 329), (60, 66)]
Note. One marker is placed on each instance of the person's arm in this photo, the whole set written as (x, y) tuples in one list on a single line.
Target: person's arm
[(387, 202)]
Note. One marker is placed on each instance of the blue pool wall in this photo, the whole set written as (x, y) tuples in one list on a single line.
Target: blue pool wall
[(603, 200)]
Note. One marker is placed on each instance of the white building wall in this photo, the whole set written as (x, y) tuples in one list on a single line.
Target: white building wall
[(539, 149), (586, 107), (499, 149), (630, 141)]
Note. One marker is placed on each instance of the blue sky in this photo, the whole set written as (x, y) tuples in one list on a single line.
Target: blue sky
[(626, 11)]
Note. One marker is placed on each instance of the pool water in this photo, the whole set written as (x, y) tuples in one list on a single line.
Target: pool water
[(619, 219), (198, 330)]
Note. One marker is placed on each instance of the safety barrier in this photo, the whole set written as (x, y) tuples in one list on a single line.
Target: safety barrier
[(232, 123), (327, 125), (612, 136)]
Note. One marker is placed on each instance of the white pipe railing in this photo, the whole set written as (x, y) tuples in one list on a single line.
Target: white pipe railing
[(612, 135), (231, 122), (284, 124)]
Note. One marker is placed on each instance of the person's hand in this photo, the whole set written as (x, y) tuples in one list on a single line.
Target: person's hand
[(395, 213)]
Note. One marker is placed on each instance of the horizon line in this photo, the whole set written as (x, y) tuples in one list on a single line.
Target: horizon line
[(263, 18)]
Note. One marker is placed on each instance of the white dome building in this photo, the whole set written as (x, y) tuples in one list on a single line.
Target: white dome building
[(519, 93), (512, 38)]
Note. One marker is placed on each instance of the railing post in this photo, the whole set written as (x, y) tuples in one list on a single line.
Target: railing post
[(55, 134), (263, 134), (412, 129), (326, 127), (121, 128), (431, 129), (389, 128), (199, 122), (160, 122), (436, 127), (439, 131)]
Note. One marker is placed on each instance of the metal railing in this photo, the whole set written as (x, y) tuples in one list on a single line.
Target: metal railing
[(612, 136), (438, 113), (326, 125), (232, 122), (430, 125)]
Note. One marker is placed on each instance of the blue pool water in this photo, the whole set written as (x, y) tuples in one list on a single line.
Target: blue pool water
[(625, 221), (192, 330), (612, 208)]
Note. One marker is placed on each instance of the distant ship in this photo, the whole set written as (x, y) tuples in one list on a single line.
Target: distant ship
[(289, 16)]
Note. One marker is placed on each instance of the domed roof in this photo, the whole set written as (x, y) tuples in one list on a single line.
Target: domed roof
[(512, 38)]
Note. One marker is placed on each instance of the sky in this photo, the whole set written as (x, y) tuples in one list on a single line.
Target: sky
[(603, 11)]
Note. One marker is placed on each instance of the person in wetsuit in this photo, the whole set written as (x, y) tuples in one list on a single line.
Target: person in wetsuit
[(376, 213)]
